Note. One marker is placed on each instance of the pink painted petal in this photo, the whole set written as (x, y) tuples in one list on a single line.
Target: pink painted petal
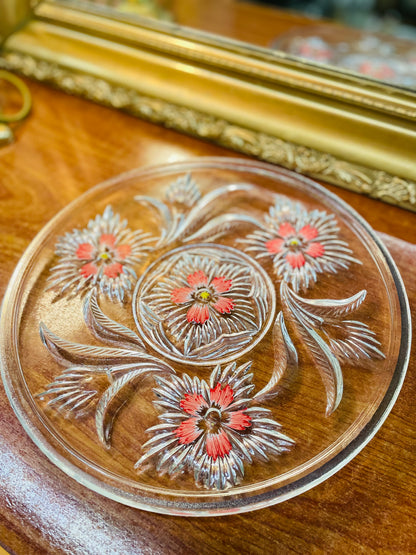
[(224, 305), (188, 431), (308, 232), (85, 251), (107, 239), (192, 403), (198, 313), (239, 420), (198, 279), (218, 445), (221, 285), (88, 270), (113, 270), (274, 245), (295, 259), (222, 397), (315, 250), (123, 251), (181, 295), (286, 229)]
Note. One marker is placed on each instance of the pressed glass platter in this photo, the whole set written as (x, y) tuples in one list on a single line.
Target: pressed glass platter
[(204, 338)]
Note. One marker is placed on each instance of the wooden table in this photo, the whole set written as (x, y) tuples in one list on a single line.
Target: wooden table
[(65, 147)]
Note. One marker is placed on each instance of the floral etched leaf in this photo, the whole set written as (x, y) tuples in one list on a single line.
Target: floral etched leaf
[(285, 355), (221, 225), (212, 429), (227, 344), (330, 339), (170, 220), (186, 215), (106, 329), (180, 197), (348, 339), (102, 256), (205, 208), (326, 362), (355, 342), (76, 390), (301, 244), (328, 366), (331, 308), (112, 399), (68, 353)]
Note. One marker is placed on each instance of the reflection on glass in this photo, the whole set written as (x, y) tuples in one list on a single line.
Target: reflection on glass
[(394, 17)]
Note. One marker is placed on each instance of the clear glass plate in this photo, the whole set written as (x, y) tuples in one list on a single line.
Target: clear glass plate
[(204, 338)]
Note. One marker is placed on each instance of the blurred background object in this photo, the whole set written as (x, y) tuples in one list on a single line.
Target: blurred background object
[(396, 17), (373, 55)]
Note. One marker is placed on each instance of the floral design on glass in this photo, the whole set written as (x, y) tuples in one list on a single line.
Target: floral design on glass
[(211, 429), (204, 303), (102, 255), (203, 295), (203, 299), (302, 244)]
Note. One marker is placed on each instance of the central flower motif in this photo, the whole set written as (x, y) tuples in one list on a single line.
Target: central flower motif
[(197, 306), (203, 295), (211, 429)]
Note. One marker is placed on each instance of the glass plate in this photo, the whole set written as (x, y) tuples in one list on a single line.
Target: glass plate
[(204, 338)]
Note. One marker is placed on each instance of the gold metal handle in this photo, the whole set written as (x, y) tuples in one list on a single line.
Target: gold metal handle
[(26, 98)]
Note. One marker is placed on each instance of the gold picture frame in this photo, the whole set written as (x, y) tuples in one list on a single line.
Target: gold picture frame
[(322, 122)]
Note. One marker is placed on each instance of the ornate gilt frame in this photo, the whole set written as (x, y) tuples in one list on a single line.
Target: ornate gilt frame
[(338, 127)]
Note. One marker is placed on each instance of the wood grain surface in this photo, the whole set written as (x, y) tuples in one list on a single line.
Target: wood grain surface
[(64, 148), (246, 21)]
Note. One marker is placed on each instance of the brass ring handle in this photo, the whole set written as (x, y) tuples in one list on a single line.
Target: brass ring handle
[(24, 91)]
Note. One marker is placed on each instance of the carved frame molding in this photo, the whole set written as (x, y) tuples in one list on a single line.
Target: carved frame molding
[(339, 128)]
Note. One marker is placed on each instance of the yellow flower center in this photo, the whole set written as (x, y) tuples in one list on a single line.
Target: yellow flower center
[(205, 295), (104, 255)]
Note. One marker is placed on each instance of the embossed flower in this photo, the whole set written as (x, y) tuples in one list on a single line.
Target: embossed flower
[(183, 191), (202, 299), (302, 244), (211, 429), (204, 295), (103, 255)]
